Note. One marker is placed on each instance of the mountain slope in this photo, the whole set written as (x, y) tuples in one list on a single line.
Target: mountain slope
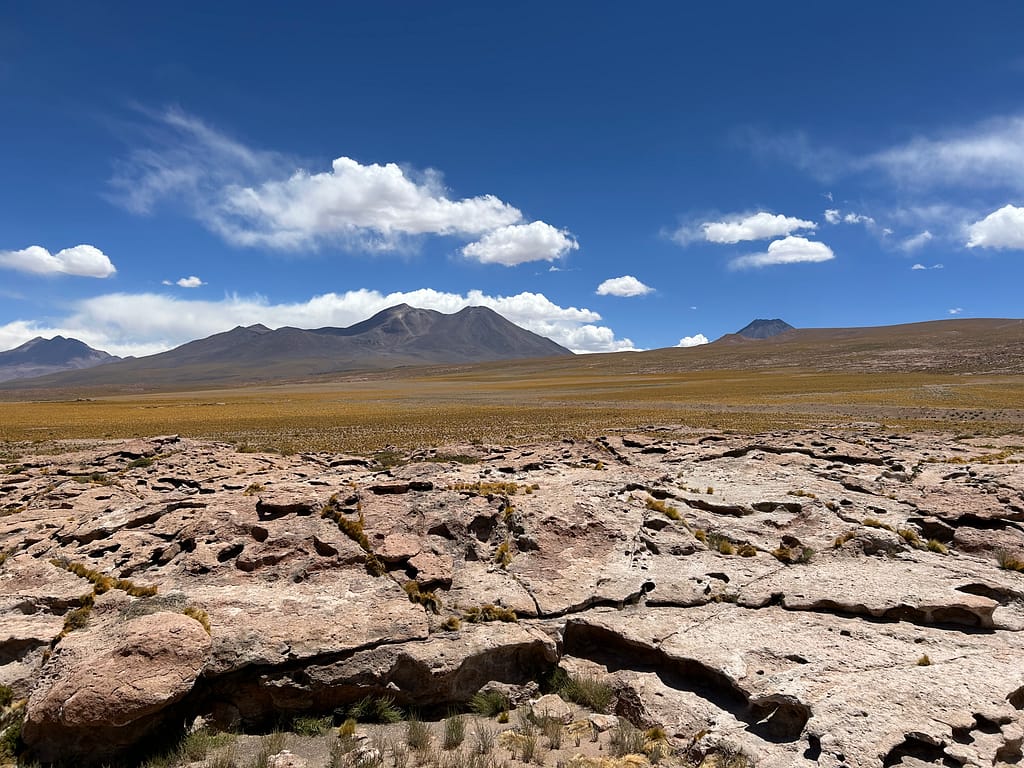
[(398, 336), (39, 356), (764, 329)]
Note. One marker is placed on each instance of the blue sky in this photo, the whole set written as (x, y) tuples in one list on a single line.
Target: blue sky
[(614, 176)]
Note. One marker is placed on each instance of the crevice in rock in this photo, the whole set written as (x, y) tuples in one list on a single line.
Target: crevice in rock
[(915, 747), (950, 617), (775, 718), (841, 458)]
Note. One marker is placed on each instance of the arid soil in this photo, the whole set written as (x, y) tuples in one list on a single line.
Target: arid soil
[(850, 598)]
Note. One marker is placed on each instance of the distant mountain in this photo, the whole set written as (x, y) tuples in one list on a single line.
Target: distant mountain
[(395, 337), (40, 356), (764, 329)]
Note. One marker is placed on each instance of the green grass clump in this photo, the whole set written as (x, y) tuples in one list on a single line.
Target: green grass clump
[(305, 725), (489, 703), (354, 529), (197, 745), (934, 545), (417, 734), (498, 488), (6, 696), (100, 581), (140, 463), (454, 731), (626, 739), (375, 709), (586, 690)]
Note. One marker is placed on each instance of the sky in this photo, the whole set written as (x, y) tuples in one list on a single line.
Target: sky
[(614, 176)]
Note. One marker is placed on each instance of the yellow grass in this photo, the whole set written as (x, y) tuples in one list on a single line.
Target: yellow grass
[(367, 414)]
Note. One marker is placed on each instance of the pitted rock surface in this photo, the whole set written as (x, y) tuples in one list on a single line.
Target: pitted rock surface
[(819, 599)]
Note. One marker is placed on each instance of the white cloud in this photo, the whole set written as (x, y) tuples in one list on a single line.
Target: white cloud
[(693, 341), (988, 154), (81, 261), (743, 227), (627, 285), (918, 267), (858, 218), (956, 310), (789, 250), (917, 242), (1002, 229), (185, 282), (832, 216), (519, 243), (140, 324), (257, 198)]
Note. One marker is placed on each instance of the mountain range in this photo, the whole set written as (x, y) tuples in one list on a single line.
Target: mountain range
[(39, 356), (395, 337)]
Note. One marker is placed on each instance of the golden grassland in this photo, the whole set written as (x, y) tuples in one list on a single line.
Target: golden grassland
[(404, 412)]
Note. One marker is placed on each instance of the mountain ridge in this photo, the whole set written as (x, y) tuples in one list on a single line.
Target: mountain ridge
[(40, 356), (394, 337)]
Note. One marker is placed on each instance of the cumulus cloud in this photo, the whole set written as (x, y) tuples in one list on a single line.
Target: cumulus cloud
[(918, 266), (858, 218), (627, 285), (186, 282), (520, 243), (1002, 229), (832, 216), (81, 261), (265, 199), (138, 324), (956, 310), (693, 341), (742, 227), (917, 242), (789, 250)]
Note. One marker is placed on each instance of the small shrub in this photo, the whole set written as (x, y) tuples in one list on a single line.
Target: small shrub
[(710, 491), (488, 703), (747, 550), (528, 747), (10, 737), (503, 555), (428, 600), (77, 619), (140, 463), (910, 536), (348, 728), (843, 538), (655, 733), (701, 535), (254, 489), (934, 545), (588, 691), (489, 612), (924, 661), (874, 522), (503, 717), (803, 493), (6, 696), (452, 624), (793, 555), (454, 731), (666, 509), (193, 612)]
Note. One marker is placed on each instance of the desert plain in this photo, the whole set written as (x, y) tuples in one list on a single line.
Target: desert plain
[(685, 564)]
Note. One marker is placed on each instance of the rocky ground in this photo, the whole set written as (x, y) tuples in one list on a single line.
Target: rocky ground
[(853, 598)]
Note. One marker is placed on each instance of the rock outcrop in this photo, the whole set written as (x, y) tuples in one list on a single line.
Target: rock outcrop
[(847, 599)]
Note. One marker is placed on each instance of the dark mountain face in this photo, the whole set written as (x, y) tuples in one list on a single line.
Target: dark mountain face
[(398, 336), (764, 329), (40, 356)]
